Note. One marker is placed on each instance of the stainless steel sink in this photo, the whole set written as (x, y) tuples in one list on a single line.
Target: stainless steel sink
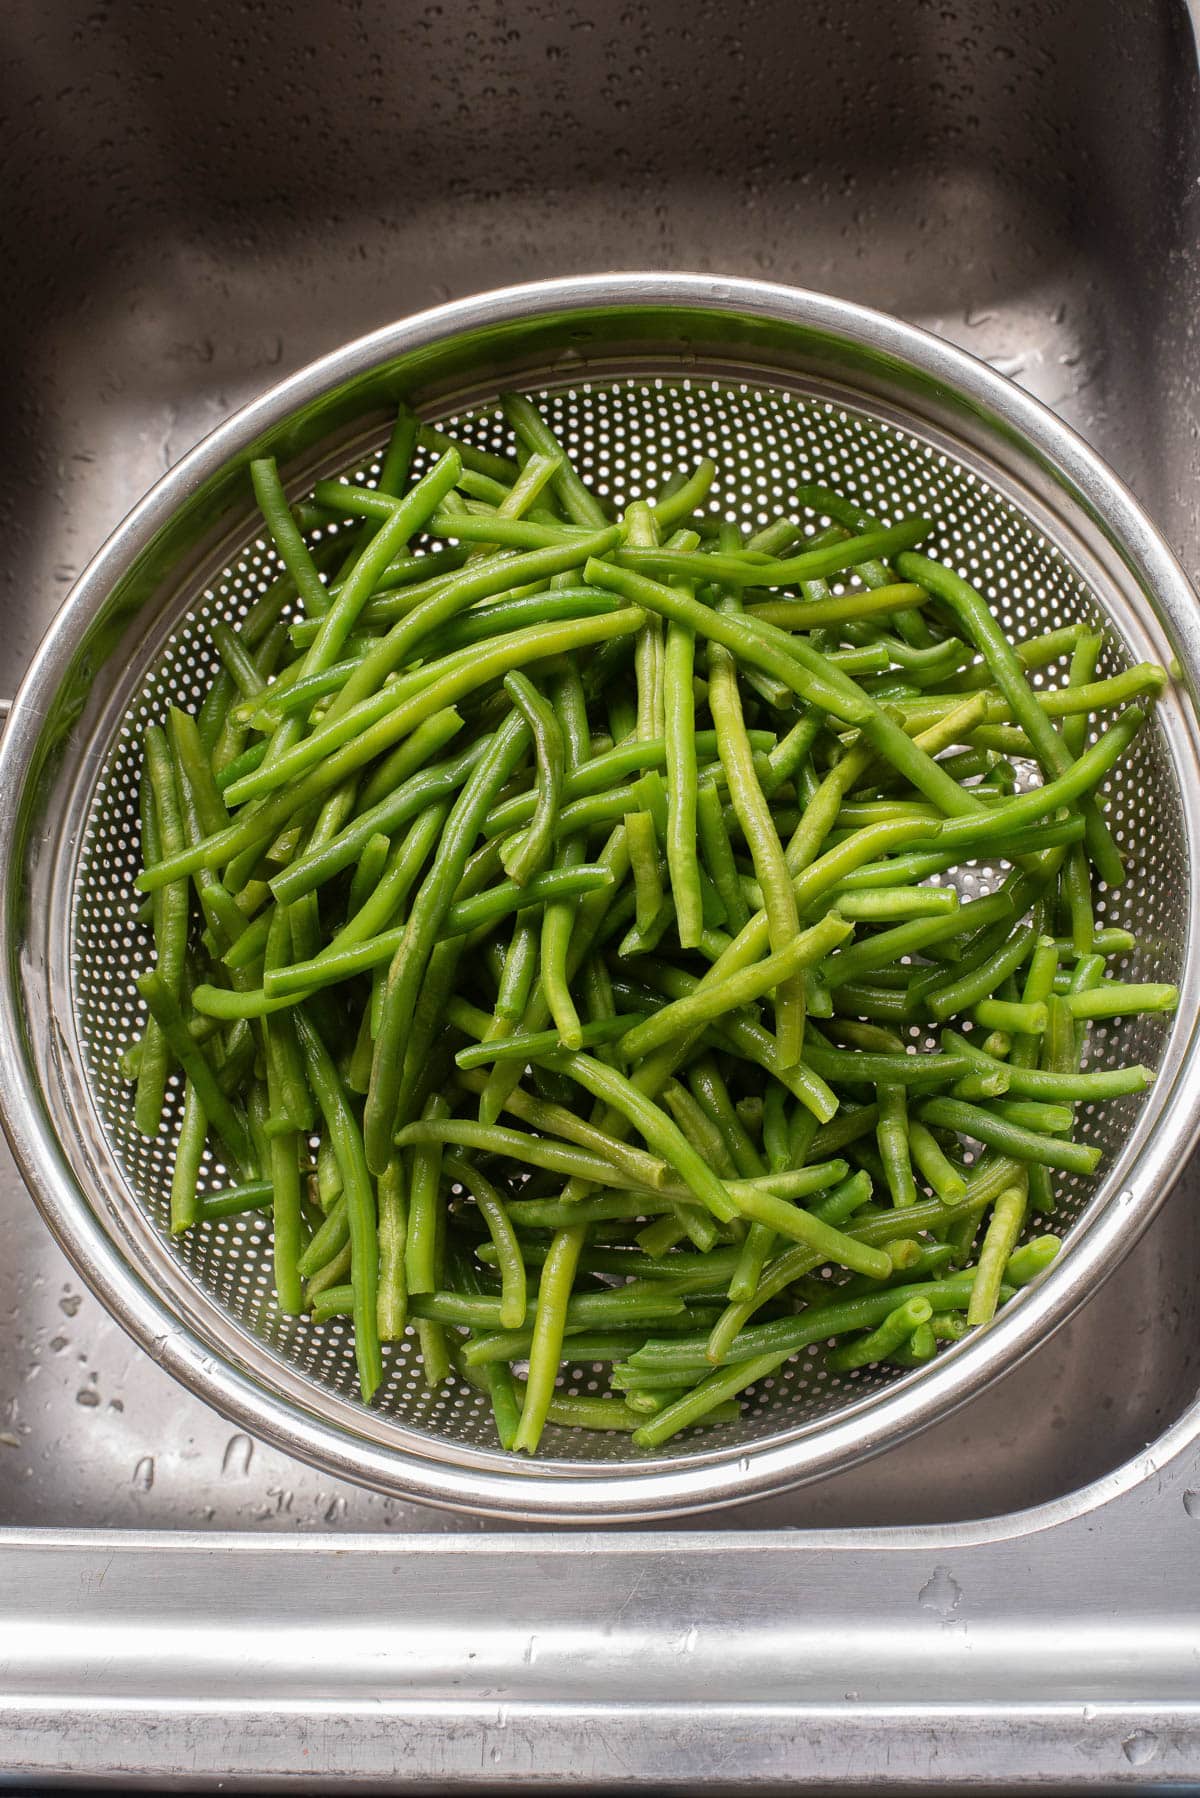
[(197, 200)]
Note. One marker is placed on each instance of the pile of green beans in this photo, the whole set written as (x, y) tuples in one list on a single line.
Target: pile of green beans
[(549, 910)]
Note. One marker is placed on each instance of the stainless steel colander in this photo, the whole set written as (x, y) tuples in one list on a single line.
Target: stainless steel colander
[(639, 374)]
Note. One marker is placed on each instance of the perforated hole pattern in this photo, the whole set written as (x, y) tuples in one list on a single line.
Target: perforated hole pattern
[(626, 438)]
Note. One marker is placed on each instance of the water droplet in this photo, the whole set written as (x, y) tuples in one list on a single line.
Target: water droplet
[(940, 1593), (1125, 1196), (88, 1397), (1191, 1504), (744, 1464), (530, 1655), (688, 1645), (143, 1474), (239, 1452), (1140, 1747), (335, 1510), (70, 1304)]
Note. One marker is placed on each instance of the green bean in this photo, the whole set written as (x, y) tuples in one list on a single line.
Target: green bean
[(519, 968), (749, 569), (329, 1176), (1118, 999), (527, 1046), (498, 467), (1004, 1228), (980, 977), (661, 1135), (504, 1239), (327, 1240), (224, 1117), (920, 1347), (294, 1109), (891, 1134), (786, 1336), (392, 1297), (381, 794), (699, 1128), (293, 551), (643, 858), (235, 1201), (350, 735), (670, 508), (488, 527), (1031, 1260), (186, 1204), (515, 986), (581, 1346), (718, 854), (1036, 1114), (705, 1081), (359, 1198), (532, 1151), (335, 1301), (390, 892), (554, 1214), (405, 516), (973, 612), (308, 872), (682, 783), (523, 856), (1085, 655), (754, 817), (411, 959), (602, 773), (291, 1099), (1013, 1017), (1011, 1139), (897, 904), (888, 1336), (238, 661), (369, 870), (648, 1172), (873, 1069), (579, 505), (801, 668), (425, 1170), (545, 1351), (945, 1179), (557, 929), (712, 998), (1037, 990), (163, 825), (801, 1226), (846, 608), (889, 947), (1057, 1087)]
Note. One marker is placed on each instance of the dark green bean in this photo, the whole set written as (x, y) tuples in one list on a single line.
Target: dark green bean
[(1010, 1139), (359, 1201)]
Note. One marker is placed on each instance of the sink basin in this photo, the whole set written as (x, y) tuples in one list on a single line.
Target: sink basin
[(198, 200), (179, 236)]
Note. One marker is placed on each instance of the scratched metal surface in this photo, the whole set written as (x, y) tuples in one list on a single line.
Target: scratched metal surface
[(196, 201)]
